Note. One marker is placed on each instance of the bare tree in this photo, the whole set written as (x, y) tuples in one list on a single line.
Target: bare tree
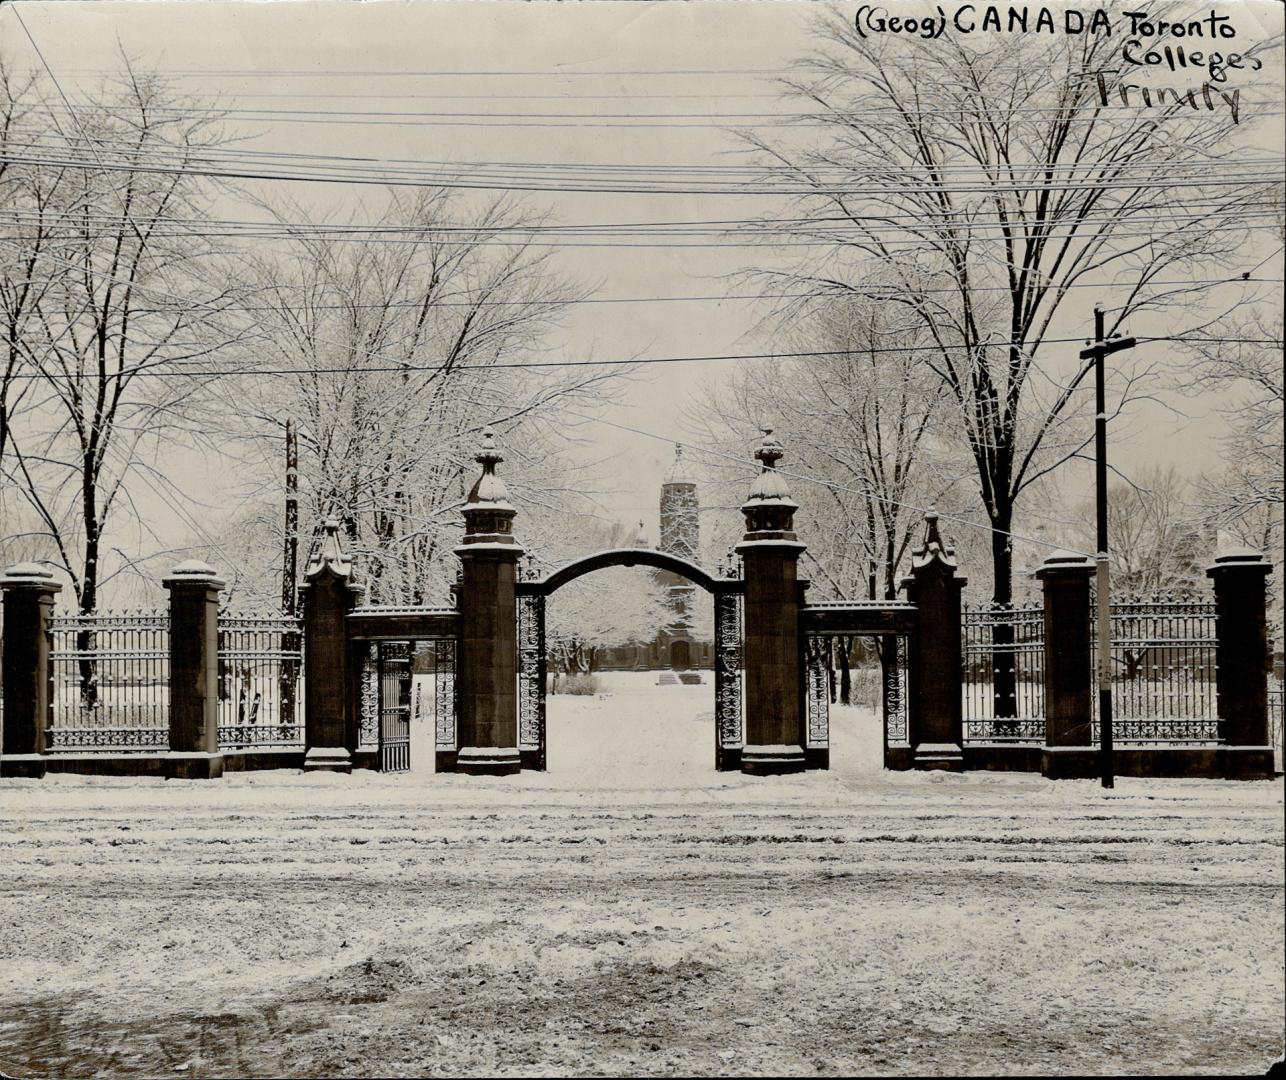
[(392, 352), (111, 311), (975, 183), (1246, 496), (1154, 547), (864, 422)]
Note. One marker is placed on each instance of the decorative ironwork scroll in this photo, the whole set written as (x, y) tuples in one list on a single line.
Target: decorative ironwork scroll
[(100, 738), (729, 722), (894, 663), (368, 731), (817, 661), (444, 695), (531, 677)]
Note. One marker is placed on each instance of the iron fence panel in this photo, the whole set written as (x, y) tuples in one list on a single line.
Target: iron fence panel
[(1003, 660), (261, 664), (109, 675), (1164, 664)]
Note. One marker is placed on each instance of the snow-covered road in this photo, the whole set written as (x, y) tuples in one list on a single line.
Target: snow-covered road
[(611, 916)]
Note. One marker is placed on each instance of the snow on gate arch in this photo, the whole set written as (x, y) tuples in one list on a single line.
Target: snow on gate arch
[(601, 560)]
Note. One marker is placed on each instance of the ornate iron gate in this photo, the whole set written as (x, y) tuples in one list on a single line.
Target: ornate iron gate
[(817, 682), (818, 655), (394, 706), (531, 681), (896, 686), (729, 726), (445, 732)]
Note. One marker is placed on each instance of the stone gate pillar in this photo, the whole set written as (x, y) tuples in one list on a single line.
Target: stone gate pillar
[(29, 591), (1069, 677), (1240, 579), (194, 670), (772, 650), (488, 672), (935, 723), (328, 595)]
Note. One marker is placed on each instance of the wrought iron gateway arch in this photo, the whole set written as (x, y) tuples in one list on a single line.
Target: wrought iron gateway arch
[(728, 632)]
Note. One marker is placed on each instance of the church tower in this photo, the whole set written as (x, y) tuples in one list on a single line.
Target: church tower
[(680, 536), (680, 530)]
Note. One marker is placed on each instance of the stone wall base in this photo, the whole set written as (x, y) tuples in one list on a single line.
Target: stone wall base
[(727, 759), (899, 757), (168, 764), (253, 760), (1070, 763), (817, 757), (772, 760), (488, 761), (30, 766), (328, 759), (948, 756), (1161, 762), (1002, 757), (1081, 762)]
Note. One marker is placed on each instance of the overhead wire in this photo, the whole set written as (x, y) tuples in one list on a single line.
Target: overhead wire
[(150, 370), (833, 485)]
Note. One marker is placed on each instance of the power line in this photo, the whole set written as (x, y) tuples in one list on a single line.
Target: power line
[(449, 181), (1195, 283), (754, 171), (150, 370), (829, 484), (674, 120), (819, 228)]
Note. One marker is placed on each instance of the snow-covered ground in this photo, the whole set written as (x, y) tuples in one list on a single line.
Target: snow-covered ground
[(632, 911)]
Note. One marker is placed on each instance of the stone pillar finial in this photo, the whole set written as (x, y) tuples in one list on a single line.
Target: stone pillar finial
[(330, 556), (488, 514), (769, 509)]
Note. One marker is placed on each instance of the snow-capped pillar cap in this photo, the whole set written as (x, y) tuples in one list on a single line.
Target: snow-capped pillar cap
[(30, 575), (933, 548), (331, 557), (1239, 559), (488, 514), (193, 572), (769, 509), (1065, 562)]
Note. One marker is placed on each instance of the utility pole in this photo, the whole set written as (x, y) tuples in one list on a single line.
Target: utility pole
[(290, 552), (290, 640), (1098, 351)]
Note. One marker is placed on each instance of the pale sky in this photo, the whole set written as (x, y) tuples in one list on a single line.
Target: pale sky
[(599, 57)]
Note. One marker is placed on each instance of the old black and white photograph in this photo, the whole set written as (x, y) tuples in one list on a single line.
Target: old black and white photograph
[(641, 538)]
